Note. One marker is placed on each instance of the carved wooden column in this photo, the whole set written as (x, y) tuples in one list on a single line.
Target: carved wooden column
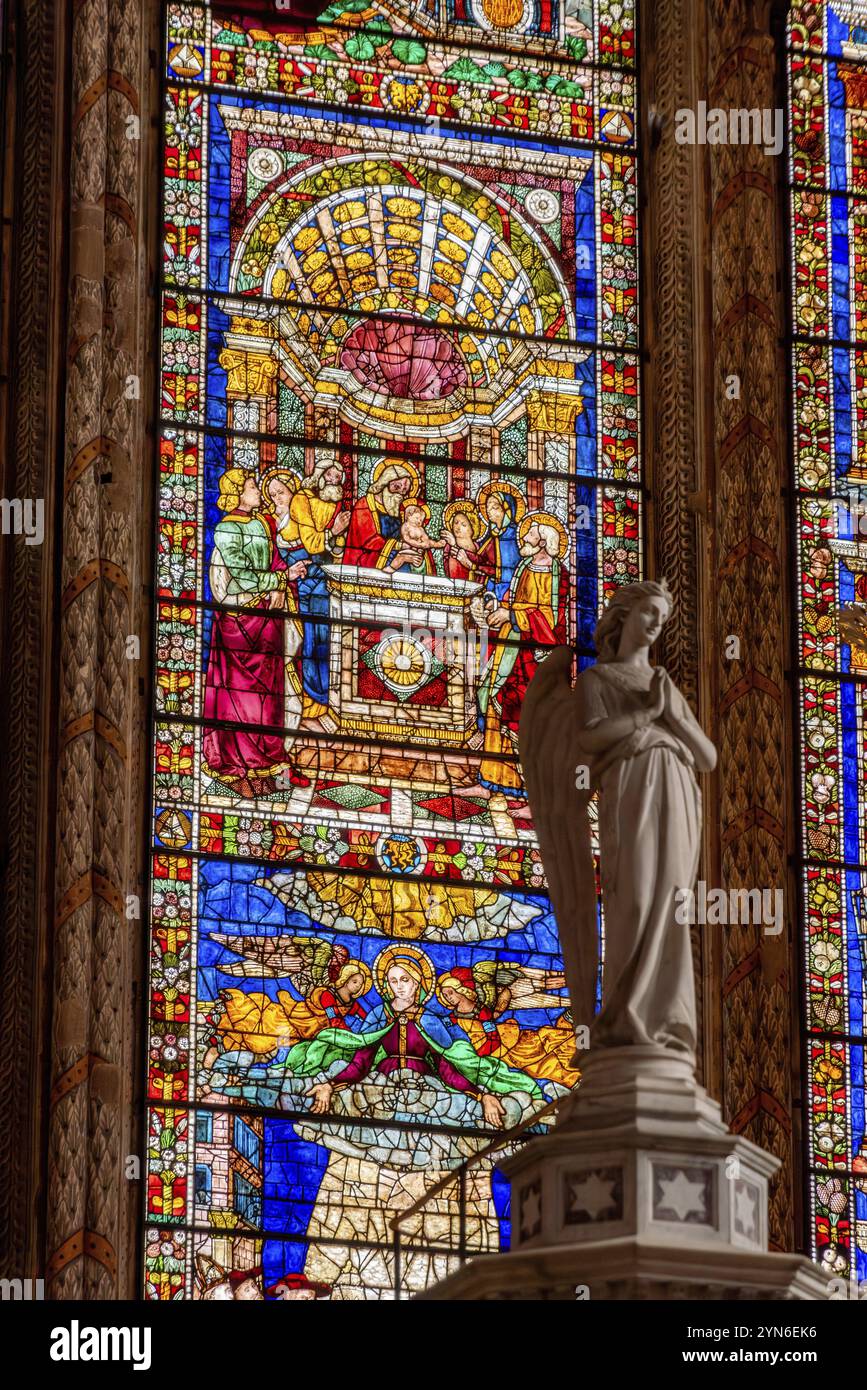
[(674, 226), (714, 248), (101, 770), (749, 525), (674, 309), (33, 151)]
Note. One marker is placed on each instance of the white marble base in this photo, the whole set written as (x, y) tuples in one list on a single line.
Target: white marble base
[(639, 1191)]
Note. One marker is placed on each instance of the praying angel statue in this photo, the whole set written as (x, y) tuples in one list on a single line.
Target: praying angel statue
[(624, 730)]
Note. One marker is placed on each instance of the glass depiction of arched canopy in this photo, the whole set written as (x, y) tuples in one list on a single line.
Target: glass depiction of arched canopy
[(827, 60), (399, 461)]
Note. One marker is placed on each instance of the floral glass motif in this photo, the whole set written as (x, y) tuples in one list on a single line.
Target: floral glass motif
[(827, 66), (399, 461)]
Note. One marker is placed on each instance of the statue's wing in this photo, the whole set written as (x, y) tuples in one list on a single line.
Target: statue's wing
[(550, 755)]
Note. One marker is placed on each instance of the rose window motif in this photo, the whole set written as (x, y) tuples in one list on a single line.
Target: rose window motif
[(543, 205), (265, 164)]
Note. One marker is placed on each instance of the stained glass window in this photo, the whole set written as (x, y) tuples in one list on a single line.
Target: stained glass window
[(399, 461), (827, 62)]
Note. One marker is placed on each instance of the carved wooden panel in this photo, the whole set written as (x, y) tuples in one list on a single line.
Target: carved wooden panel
[(101, 792), (751, 584)]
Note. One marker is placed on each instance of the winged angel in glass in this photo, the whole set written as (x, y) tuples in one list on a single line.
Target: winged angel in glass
[(399, 464)]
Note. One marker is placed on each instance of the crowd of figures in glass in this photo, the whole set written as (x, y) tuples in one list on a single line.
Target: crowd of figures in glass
[(399, 463), (827, 70)]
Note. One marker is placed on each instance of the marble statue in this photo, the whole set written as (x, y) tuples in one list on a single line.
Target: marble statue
[(625, 730)]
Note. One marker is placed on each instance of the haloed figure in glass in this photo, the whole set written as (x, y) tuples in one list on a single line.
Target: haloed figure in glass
[(247, 680), (314, 534)]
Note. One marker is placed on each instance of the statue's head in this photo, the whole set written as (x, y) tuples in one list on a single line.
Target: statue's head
[(643, 608)]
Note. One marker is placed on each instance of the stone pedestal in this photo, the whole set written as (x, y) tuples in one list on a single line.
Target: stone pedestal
[(639, 1191)]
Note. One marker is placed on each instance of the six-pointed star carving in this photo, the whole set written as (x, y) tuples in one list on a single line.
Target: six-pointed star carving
[(745, 1210), (593, 1195), (531, 1210), (683, 1196)]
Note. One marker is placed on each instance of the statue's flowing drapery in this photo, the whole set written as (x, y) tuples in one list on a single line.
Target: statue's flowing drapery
[(649, 829), (649, 824)]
